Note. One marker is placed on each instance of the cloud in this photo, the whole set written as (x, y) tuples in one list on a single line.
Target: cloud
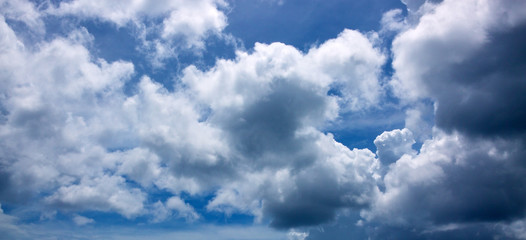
[(164, 27), (9, 227), (466, 180), (122, 13), (243, 120), (349, 63), (268, 104), (472, 66), (79, 133), (393, 20), (338, 179), (107, 193), (44, 123), (414, 5), (81, 221), (515, 229), (183, 21), (23, 11), (392, 145), (182, 210), (294, 235), (454, 180)]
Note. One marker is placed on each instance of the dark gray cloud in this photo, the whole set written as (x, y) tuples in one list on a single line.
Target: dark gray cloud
[(316, 199), (467, 182), (484, 95), (473, 68), (265, 132), (474, 187), (456, 187)]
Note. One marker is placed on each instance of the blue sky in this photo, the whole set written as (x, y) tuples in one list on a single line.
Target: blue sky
[(262, 119)]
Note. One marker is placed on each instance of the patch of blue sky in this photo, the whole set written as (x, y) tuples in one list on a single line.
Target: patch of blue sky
[(358, 130), (303, 23)]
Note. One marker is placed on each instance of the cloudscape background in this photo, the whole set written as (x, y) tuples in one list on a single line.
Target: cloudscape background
[(262, 119)]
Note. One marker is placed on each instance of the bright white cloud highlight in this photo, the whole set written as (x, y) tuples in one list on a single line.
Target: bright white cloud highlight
[(24, 11), (184, 24), (392, 145)]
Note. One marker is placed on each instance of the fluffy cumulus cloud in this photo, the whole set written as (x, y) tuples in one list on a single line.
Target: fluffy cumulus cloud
[(392, 145), (166, 27), (82, 136), (246, 128), (349, 64), (268, 104), (469, 56), (177, 16), (339, 178), (466, 180), (454, 182), (56, 140)]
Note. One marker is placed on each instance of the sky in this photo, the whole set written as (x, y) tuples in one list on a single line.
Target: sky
[(262, 119)]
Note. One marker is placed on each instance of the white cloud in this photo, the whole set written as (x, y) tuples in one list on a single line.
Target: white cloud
[(447, 34), (81, 221), (183, 209), (127, 11), (294, 235), (413, 5), (70, 133), (515, 229), (174, 207), (24, 11), (419, 121), (50, 97), (393, 20), (107, 193), (183, 21), (140, 165), (185, 24), (349, 63), (391, 145)]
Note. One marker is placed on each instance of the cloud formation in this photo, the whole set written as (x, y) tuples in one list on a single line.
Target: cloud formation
[(471, 65), (243, 121), (468, 177), (81, 135)]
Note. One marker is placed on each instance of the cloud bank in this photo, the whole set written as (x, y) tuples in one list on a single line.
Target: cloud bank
[(81, 135)]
